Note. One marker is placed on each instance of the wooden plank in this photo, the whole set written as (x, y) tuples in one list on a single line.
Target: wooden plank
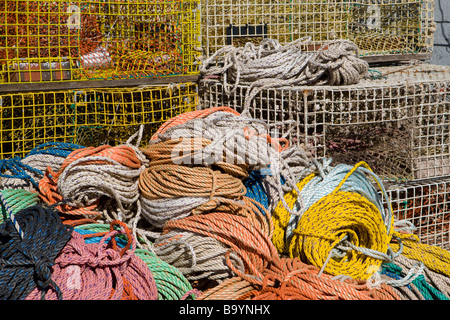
[(74, 85), (396, 57)]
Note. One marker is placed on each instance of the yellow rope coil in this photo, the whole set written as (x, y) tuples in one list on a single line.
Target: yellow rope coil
[(280, 216), (326, 223), (434, 258)]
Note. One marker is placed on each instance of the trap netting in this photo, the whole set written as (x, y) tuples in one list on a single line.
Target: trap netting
[(91, 40), (399, 123), (378, 27), (426, 204), (88, 117)]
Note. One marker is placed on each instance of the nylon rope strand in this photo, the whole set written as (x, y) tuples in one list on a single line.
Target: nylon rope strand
[(263, 186), (414, 277), (170, 282), (435, 258), (200, 256), (186, 116), (434, 279), (294, 280), (272, 65), (101, 271), (230, 289), (354, 237), (26, 261)]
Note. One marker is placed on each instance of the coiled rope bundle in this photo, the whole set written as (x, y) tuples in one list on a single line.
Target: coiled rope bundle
[(17, 199), (192, 245), (170, 282), (263, 186), (26, 261), (249, 254), (233, 143), (340, 224), (101, 271), (17, 173), (272, 65), (171, 191), (94, 173)]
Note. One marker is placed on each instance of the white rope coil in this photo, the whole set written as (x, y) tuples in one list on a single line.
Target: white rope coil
[(272, 65)]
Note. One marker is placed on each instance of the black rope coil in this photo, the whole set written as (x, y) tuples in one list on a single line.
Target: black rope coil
[(26, 263)]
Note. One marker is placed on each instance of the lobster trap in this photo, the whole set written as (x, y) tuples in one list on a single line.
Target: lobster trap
[(89, 117), (398, 123), (58, 40), (378, 27), (426, 204)]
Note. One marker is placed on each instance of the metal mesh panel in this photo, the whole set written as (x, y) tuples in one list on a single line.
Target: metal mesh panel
[(399, 123), (89, 116), (377, 27), (427, 205), (91, 40)]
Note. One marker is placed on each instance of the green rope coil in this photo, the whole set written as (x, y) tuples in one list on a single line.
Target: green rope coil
[(17, 200)]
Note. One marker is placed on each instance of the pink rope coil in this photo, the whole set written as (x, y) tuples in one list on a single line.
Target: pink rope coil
[(101, 271)]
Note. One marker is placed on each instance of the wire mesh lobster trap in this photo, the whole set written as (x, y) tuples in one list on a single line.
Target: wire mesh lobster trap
[(96, 40), (426, 204), (88, 117), (399, 123), (378, 27)]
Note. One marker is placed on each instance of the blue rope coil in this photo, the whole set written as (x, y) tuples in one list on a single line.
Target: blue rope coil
[(20, 170), (25, 263)]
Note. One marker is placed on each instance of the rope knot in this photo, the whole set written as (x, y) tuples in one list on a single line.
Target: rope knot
[(42, 270)]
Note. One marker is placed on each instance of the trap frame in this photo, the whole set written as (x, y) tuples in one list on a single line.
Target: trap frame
[(56, 41), (378, 27), (398, 123), (88, 117)]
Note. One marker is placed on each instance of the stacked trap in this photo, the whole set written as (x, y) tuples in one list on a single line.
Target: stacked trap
[(295, 169), (54, 41)]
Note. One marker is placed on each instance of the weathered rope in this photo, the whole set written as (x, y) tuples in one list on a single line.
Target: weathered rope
[(101, 271), (170, 282), (272, 65), (92, 173), (434, 258), (230, 289), (26, 262), (172, 192), (250, 255), (434, 279), (182, 118), (232, 142), (201, 256), (343, 230), (17, 173), (297, 281), (414, 279)]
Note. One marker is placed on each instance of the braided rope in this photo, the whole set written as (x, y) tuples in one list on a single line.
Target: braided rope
[(354, 228), (272, 65), (101, 271), (26, 261), (171, 284)]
